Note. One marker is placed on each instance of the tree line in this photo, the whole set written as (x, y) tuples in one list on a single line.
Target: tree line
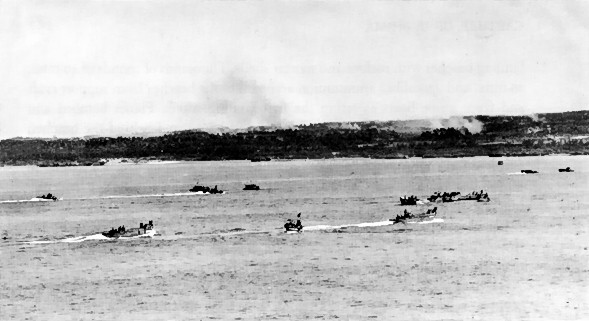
[(325, 140)]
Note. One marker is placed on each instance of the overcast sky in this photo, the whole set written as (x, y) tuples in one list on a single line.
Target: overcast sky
[(73, 68)]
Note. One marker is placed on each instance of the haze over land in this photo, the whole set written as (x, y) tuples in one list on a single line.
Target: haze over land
[(539, 134), (71, 69)]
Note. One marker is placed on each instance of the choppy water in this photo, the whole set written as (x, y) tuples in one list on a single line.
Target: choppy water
[(328, 192), (226, 256)]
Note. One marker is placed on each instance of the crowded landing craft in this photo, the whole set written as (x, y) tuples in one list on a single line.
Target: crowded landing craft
[(199, 189), (408, 217), (144, 230), (446, 197), (411, 200), (291, 227), (456, 196), (46, 198)]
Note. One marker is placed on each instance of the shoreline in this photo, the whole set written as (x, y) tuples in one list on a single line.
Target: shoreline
[(129, 162)]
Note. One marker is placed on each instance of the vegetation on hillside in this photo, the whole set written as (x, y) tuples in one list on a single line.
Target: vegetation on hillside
[(500, 135)]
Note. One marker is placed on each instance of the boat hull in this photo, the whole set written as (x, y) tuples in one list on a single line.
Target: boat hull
[(132, 233), (293, 231), (38, 199), (207, 193)]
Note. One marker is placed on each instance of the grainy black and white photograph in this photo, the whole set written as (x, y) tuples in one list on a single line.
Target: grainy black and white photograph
[(294, 160)]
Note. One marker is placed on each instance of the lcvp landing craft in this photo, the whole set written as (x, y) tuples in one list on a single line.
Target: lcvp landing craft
[(144, 230), (415, 218), (46, 198), (198, 189)]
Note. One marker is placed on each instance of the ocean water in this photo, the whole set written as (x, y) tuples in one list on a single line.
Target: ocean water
[(240, 232)]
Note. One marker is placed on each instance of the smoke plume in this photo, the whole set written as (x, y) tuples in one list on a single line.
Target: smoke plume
[(349, 126), (536, 118), (237, 102), (473, 125)]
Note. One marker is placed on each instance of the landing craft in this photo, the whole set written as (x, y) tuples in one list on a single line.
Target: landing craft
[(144, 230), (291, 227), (456, 196), (407, 217), (411, 200), (251, 187), (198, 189), (46, 198)]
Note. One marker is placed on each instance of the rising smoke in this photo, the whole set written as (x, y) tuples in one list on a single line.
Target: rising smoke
[(473, 125), (537, 118), (238, 102), (348, 126)]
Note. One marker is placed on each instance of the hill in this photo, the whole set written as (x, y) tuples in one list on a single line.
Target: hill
[(538, 134)]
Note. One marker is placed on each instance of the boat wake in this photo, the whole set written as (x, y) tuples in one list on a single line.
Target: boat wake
[(142, 196), (153, 233), (95, 237), (435, 220), (330, 227), (150, 195), (77, 239), (32, 200), (368, 224), (420, 202), (37, 200)]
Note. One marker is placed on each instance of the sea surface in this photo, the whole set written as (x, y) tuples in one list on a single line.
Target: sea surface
[(521, 256)]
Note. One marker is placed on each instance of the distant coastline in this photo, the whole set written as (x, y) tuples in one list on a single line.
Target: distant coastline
[(493, 136)]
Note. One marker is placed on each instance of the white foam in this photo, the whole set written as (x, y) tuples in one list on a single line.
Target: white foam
[(329, 227), (96, 237), (150, 233), (371, 224), (435, 220), (32, 200), (149, 195), (114, 197), (84, 238), (423, 202), (516, 173), (366, 224)]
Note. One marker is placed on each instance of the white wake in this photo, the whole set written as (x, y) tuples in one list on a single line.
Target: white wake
[(367, 224), (32, 200), (148, 195), (96, 237)]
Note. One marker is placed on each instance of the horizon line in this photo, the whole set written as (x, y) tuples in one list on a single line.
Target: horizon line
[(159, 132)]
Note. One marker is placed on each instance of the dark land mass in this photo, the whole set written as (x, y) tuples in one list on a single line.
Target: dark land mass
[(541, 134)]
